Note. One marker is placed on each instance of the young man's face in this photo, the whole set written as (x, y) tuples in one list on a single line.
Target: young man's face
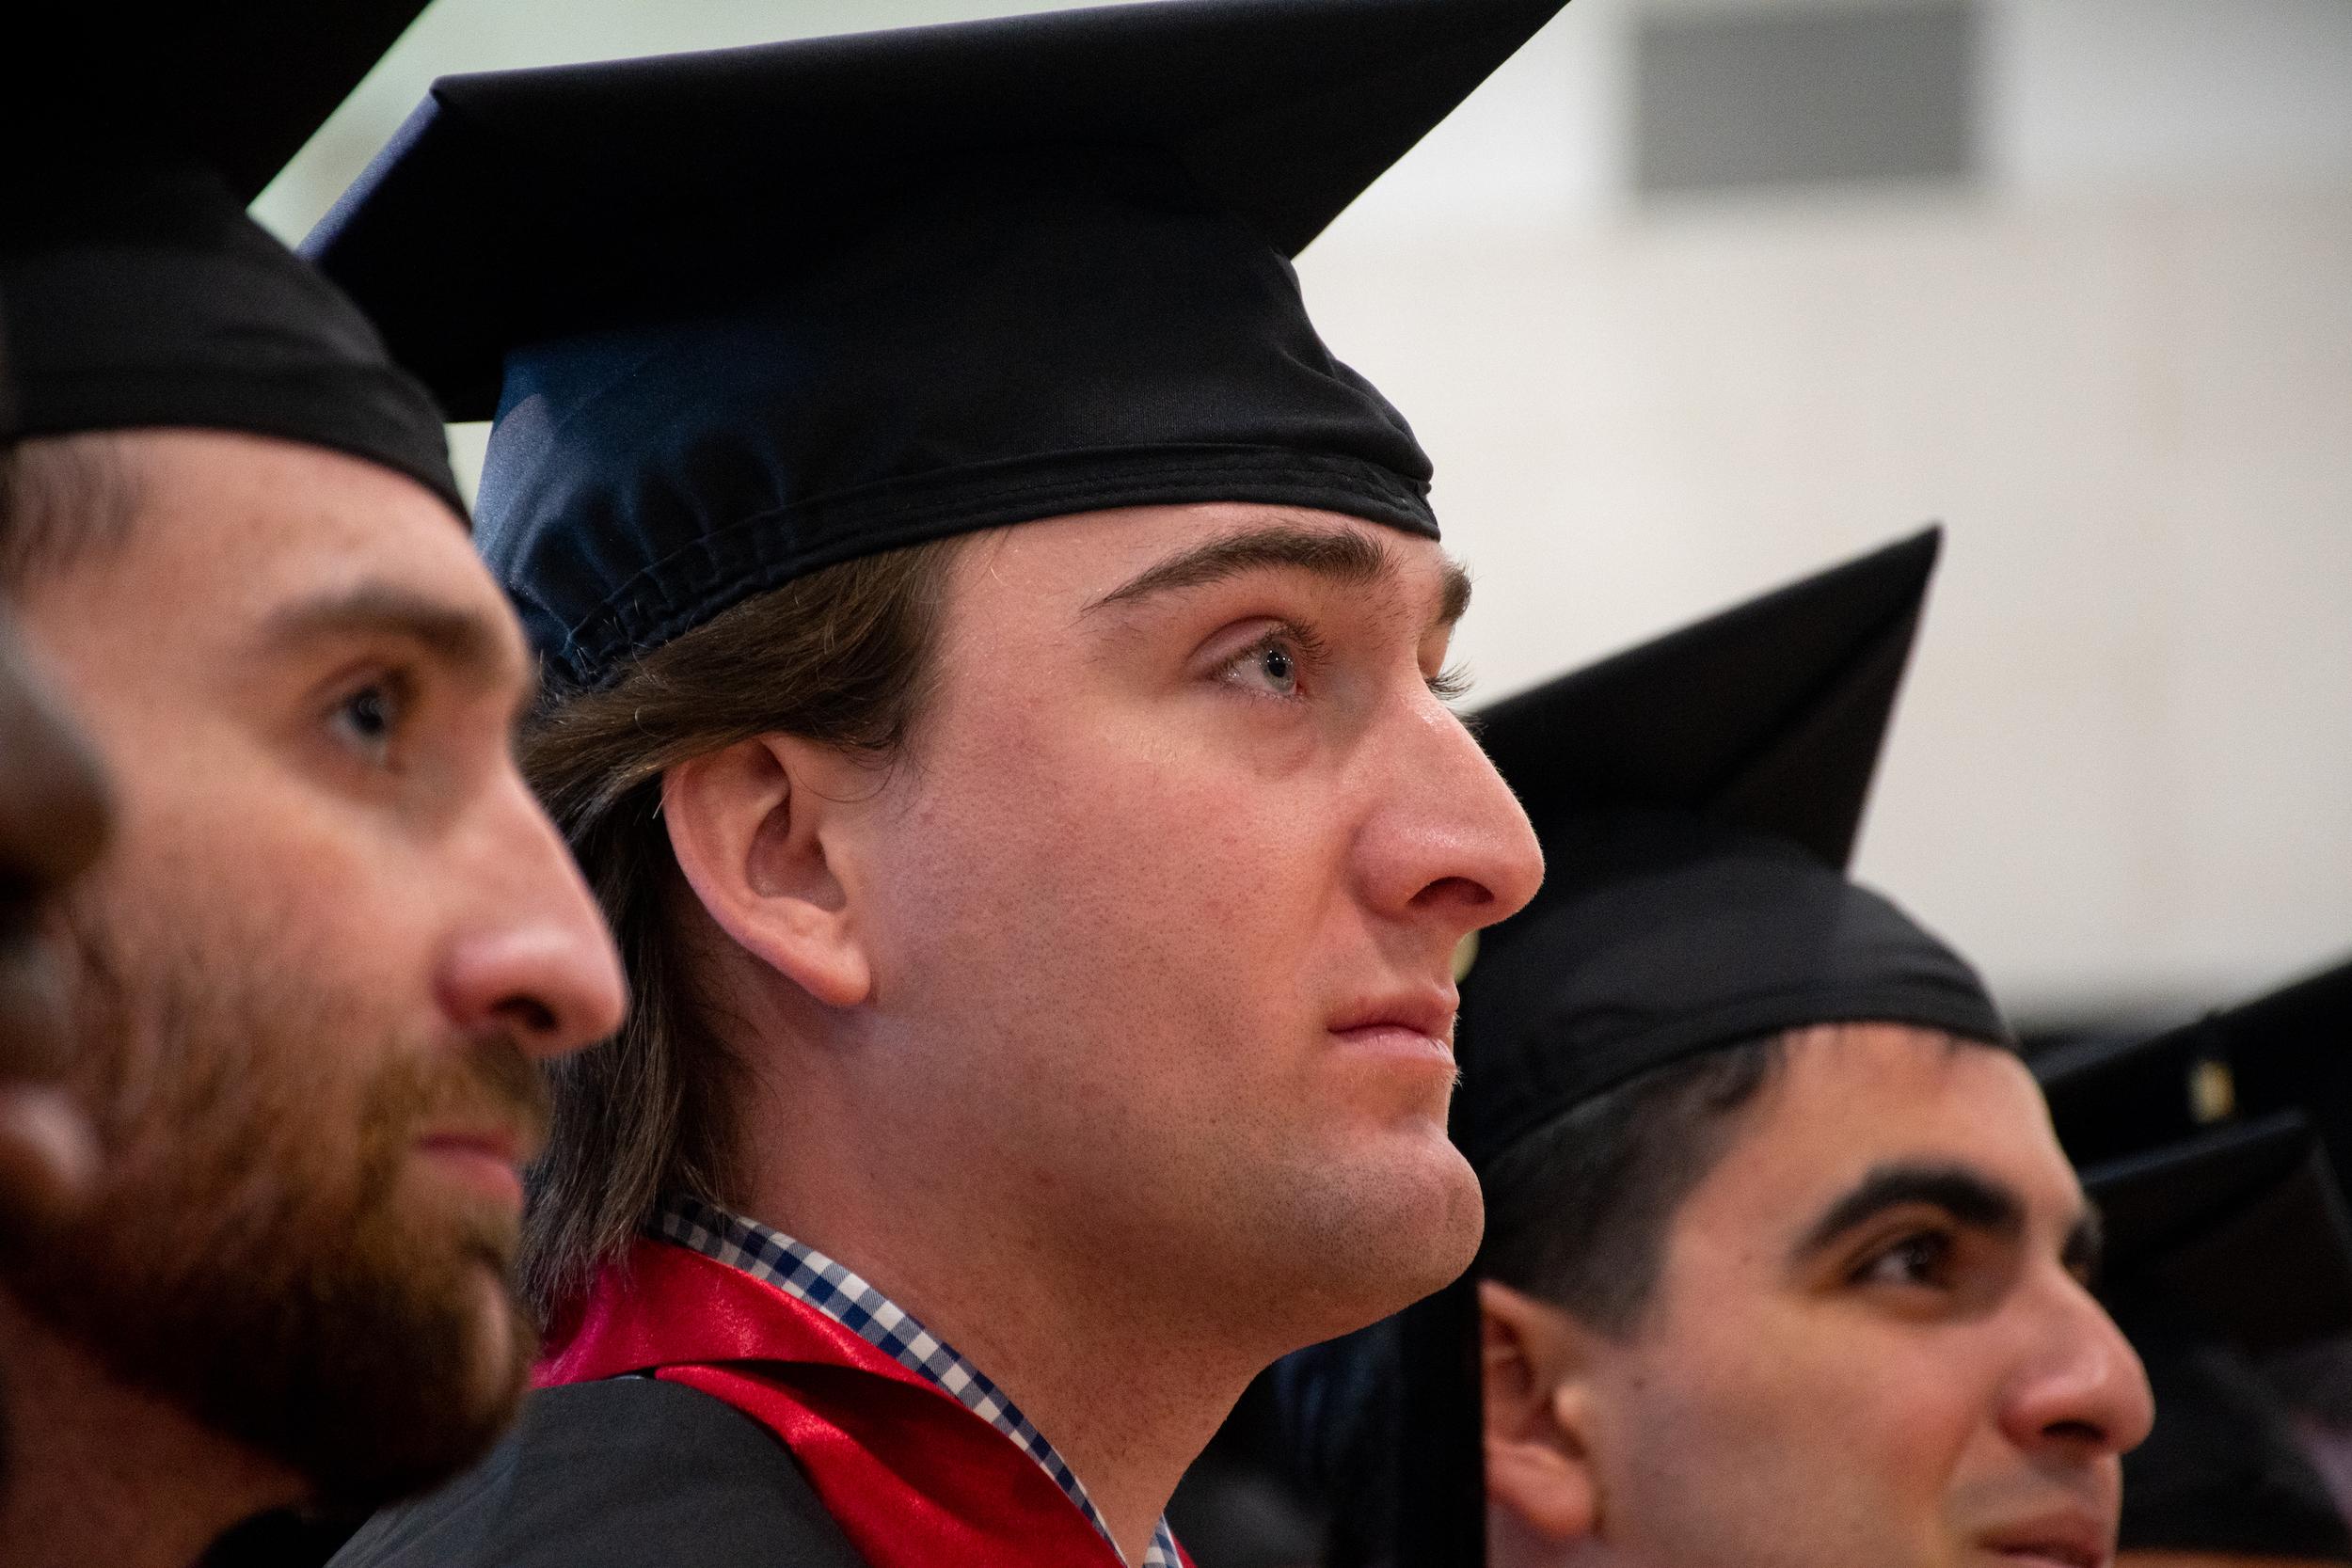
[(1165, 895), (1871, 1344), (316, 962)]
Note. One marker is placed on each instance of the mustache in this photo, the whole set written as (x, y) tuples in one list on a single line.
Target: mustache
[(482, 1082)]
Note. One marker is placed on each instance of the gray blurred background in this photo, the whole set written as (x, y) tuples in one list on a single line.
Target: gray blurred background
[(1699, 294)]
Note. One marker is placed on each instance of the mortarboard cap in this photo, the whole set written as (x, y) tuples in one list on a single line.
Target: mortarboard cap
[(2225, 1247), (1697, 799), (2290, 1048), (747, 313), (237, 87), (138, 294), (2243, 1224)]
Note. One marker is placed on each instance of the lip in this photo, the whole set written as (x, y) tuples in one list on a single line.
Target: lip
[(1412, 1022), (2067, 1539), (487, 1159)]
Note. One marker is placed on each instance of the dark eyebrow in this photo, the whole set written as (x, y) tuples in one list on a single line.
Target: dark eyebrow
[(1346, 557), (466, 641), (1970, 1198)]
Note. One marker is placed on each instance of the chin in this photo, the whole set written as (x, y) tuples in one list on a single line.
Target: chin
[(1404, 1217), (496, 1355), (1453, 1220), (451, 1408)]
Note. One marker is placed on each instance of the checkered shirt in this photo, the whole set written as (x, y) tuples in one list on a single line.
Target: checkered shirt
[(806, 1275)]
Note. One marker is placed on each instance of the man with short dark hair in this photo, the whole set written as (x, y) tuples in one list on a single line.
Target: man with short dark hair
[(1783, 1264), (999, 656), (331, 935)]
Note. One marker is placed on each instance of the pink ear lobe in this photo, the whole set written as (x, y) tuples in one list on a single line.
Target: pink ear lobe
[(1540, 1488)]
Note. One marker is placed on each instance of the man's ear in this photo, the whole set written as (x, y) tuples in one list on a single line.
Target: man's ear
[(751, 827), (1539, 1467)]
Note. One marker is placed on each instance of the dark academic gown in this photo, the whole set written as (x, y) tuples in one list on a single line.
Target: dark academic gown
[(692, 1414)]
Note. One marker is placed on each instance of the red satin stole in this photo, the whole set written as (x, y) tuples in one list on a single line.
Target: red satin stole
[(913, 1477)]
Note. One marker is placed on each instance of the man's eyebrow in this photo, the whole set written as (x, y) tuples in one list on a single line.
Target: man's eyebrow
[(466, 641), (1346, 557), (1972, 1199), (1454, 593)]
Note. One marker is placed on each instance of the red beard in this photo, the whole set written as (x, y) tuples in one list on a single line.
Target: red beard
[(256, 1251)]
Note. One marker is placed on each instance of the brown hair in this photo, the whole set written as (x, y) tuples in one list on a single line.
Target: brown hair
[(842, 656), (63, 497)]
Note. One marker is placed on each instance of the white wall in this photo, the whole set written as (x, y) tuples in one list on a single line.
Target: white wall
[(2120, 369)]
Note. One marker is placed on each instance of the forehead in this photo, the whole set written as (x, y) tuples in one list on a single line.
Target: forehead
[(282, 514), (1858, 1098), (227, 528)]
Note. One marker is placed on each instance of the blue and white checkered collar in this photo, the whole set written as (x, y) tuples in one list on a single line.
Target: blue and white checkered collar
[(805, 1275)]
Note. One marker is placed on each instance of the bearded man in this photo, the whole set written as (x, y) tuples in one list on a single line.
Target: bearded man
[(332, 933), (999, 665)]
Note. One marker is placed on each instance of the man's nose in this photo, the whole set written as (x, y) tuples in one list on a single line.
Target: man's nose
[(533, 958), (1449, 846), (2085, 1388)]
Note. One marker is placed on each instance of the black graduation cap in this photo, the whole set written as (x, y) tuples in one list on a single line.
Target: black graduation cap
[(2243, 1226), (2223, 1248), (137, 292), (746, 314), (1698, 797), (2290, 1048)]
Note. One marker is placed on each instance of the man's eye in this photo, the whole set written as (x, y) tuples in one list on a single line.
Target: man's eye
[(1272, 665), (1922, 1258), (369, 718)]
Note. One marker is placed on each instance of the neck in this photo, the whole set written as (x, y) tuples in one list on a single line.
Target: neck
[(99, 1472), (1126, 1389)]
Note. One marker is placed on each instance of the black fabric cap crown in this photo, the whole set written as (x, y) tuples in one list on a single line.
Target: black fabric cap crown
[(1697, 799), (137, 291), (2223, 1248), (745, 314)]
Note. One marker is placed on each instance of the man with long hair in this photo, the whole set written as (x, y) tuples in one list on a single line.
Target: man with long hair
[(997, 661)]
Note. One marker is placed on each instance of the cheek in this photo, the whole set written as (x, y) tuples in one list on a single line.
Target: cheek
[(1800, 1421), (1124, 842), (1113, 916), (260, 958)]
